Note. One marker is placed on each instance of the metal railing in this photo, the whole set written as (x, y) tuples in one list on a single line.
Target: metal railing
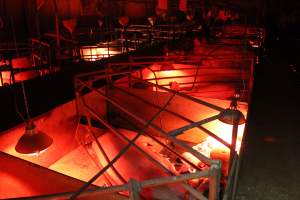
[(234, 157), (108, 75), (193, 65)]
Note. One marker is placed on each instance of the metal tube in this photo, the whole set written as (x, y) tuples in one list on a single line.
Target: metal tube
[(179, 131), (134, 189), (174, 179), (234, 137), (125, 187), (208, 132), (228, 188), (214, 180), (215, 107), (195, 193), (102, 150)]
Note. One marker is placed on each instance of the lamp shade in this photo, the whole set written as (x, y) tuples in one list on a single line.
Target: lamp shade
[(228, 116), (152, 20), (33, 141), (124, 20)]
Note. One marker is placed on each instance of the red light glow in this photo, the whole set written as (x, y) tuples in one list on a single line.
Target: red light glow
[(96, 53), (164, 77), (36, 153)]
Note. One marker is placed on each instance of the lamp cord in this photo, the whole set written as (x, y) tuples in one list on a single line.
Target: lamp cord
[(25, 100)]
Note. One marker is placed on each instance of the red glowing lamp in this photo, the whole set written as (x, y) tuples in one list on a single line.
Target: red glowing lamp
[(123, 21), (152, 20), (70, 25), (229, 115), (33, 142)]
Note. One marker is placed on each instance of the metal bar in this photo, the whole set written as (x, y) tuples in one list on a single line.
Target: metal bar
[(208, 132), (234, 138), (134, 189), (125, 187), (160, 131), (179, 131), (215, 107), (1, 78), (174, 179), (17, 70), (189, 58), (229, 185), (102, 150), (76, 194), (229, 81), (214, 180), (194, 192), (236, 177)]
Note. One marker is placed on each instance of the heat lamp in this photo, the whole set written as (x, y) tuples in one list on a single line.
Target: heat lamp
[(70, 25), (152, 20), (32, 142), (123, 21), (229, 115)]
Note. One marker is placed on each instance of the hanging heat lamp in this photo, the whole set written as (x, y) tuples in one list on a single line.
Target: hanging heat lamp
[(100, 23), (152, 20), (32, 142), (123, 21), (189, 16), (70, 25), (229, 115)]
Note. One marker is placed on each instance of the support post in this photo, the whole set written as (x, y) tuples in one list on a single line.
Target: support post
[(214, 180), (234, 138), (134, 188)]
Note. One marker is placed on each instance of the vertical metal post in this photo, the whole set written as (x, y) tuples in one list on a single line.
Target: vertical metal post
[(1, 78), (134, 188), (234, 138), (214, 180), (12, 72)]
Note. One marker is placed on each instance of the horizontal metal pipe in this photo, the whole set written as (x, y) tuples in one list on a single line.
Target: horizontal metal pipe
[(179, 131), (208, 132), (215, 107), (125, 187)]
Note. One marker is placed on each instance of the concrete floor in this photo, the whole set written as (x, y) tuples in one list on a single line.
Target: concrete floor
[(270, 168)]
